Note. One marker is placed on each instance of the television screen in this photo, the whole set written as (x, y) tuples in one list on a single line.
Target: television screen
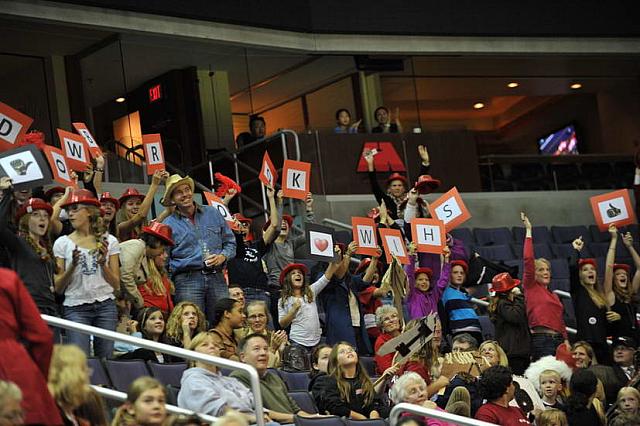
[(561, 142)]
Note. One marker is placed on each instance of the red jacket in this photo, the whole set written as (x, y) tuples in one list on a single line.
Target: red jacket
[(20, 321), (163, 302)]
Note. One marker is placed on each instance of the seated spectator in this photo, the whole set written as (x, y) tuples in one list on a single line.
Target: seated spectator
[(551, 377), (11, 413), (186, 320), (628, 402), (236, 293), (257, 314), (583, 354), (152, 327), (343, 119), (348, 390), (552, 417), (464, 342), (205, 390), (229, 317), (456, 310), (142, 272), (257, 130), (580, 407), (551, 386), (381, 115), (145, 404), (319, 366), (69, 381), (254, 351), (412, 389), (497, 387), (389, 323), (624, 350)]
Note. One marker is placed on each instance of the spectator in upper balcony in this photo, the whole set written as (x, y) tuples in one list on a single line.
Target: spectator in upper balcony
[(384, 121), (257, 130), (343, 118)]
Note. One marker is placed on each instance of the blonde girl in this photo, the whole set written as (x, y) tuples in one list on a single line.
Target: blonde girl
[(186, 320), (69, 380), (145, 404)]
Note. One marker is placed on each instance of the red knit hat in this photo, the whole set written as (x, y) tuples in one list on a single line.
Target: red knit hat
[(462, 263), (290, 267), (624, 266), (423, 270)]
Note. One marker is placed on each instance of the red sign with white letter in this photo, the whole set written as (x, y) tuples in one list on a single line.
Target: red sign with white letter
[(429, 235), (365, 235), (13, 126), (153, 152), (450, 209), (386, 158), (75, 149), (58, 163), (94, 149), (268, 174), (295, 179), (393, 244), (215, 201)]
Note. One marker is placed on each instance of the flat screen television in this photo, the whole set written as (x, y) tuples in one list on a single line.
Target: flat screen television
[(561, 142)]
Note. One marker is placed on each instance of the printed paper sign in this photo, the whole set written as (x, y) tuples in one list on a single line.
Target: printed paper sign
[(386, 158), (613, 208), (75, 149), (268, 173), (215, 201), (94, 149), (13, 126), (450, 209), (153, 152), (429, 235), (393, 244), (26, 166), (365, 235), (321, 242), (295, 179), (59, 168)]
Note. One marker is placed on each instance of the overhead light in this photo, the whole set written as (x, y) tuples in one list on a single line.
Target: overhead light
[(513, 85), (478, 105), (120, 100), (576, 86)]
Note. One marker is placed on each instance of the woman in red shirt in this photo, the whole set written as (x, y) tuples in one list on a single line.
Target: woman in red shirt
[(544, 308)]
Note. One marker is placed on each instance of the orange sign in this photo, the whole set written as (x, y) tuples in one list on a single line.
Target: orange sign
[(94, 149), (364, 234), (613, 208), (215, 201), (450, 209), (153, 152), (268, 173), (59, 168), (393, 245), (75, 149), (295, 179), (386, 158), (13, 126), (429, 235)]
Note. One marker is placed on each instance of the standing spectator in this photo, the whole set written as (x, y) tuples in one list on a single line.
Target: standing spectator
[(580, 404), (372, 292), (590, 304), (204, 244), (141, 263), (544, 308), (507, 312), (246, 269), (229, 316), (88, 272), (26, 346), (110, 205), (619, 289), (583, 354), (497, 387), (457, 312), (422, 297), (385, 125), (397, 187), (343, 119), (257, 130)]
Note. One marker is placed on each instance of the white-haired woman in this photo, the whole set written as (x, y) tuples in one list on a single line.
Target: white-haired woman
[(411, 388), (388, 321)]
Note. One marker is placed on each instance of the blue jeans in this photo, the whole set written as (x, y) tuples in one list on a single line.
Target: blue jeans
[(98, 314), (201, 289), (544, 344)]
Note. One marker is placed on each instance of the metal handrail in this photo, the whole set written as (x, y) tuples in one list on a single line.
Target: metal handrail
[(167, 349), (121, 396), (403, 407), (337, 223)]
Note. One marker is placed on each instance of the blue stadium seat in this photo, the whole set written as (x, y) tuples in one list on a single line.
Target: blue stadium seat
[(565, 251), (169, 374), (463, 234), (560, 284), (343, 236), (488, 330), (369, 422), (123, 373), (172, 394), (518, 263), (599, 249), (496, 252), (540, 234), (369, 364), (99, 375), (559, 269), (296, 381), (305, 401), (318, 421), (539, 250), (598, 236), (566, 234), (493, 236)]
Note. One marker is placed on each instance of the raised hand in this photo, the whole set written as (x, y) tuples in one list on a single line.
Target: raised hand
[(627, 239), (613, 231), (5, 183), (424, 154), (578, 244), (413, 196), (271, 192), (351, 248), (308, 201), (525, 220)]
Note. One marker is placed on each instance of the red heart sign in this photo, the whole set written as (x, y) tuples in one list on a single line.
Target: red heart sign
[(321, 244)]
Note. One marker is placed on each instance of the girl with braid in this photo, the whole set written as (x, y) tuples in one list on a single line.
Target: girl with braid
[(88, 271), (30, 251)]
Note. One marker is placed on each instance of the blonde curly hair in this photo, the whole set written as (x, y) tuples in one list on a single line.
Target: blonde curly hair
[(69, 375), (174, 323)]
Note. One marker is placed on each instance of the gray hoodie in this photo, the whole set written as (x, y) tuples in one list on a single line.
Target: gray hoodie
[(205, 392)]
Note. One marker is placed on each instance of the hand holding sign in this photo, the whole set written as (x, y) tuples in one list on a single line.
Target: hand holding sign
[(59, 167), (450, 209), (428, 235), (75, 150), (268, 174), (393, 244), (94, 149), (153, 152), (613, 208), (365, 234), (295, 179), (218, 203)]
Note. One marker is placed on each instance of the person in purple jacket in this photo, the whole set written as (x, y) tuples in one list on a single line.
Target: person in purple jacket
[(422, 298)]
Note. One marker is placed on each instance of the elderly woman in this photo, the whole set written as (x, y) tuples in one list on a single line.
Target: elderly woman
[(388, 321), (257, 314), (412, 389)]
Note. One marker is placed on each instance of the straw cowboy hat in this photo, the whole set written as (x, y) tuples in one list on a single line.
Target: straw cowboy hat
[(172, 183)]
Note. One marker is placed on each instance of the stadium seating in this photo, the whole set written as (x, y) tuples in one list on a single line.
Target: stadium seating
[(304, 400), (123, 373), (296, 381), (169, 374), (99, 375), (493, 236)]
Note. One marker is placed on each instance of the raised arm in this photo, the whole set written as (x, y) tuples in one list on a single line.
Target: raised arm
[(396, 119), (412, 206), (273, 229), (529, 273), (574, 277), (608, 269), (125, 227), (445, 272), (425, 164), (55, 226), (627, 240), (375, 186), (98, 175)]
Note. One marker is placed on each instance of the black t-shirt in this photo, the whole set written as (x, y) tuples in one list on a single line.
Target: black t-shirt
[(246, 268)]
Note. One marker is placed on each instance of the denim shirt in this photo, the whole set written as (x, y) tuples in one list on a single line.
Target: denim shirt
[(210, 231)]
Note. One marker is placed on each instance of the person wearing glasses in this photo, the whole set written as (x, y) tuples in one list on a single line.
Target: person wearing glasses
[(257, 314)]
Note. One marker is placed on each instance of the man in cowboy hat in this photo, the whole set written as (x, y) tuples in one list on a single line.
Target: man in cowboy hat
[(203, 244)]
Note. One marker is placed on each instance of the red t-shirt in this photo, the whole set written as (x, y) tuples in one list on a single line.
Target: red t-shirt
[(505, 416)]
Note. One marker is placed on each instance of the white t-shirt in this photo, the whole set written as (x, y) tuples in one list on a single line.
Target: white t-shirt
[(87, 285), (305, 327)]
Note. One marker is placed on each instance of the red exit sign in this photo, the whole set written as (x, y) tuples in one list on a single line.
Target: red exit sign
[(155, 93)]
